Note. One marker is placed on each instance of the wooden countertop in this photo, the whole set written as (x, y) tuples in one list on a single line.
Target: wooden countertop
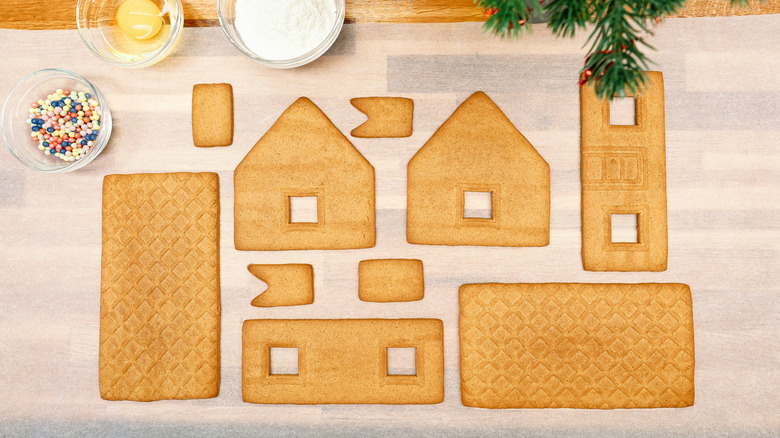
[(723, 177), (30, 14)]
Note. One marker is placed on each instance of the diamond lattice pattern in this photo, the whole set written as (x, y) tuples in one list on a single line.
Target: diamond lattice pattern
[(576, 345), (159, 309)]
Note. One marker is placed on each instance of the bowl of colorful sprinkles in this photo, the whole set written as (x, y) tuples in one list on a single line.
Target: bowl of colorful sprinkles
[(55, 121)]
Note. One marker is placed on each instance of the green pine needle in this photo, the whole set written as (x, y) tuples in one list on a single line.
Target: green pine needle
[(565, 16), (615, 63), (512, 18)]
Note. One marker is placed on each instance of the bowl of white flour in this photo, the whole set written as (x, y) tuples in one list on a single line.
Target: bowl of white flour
[(282, 33)]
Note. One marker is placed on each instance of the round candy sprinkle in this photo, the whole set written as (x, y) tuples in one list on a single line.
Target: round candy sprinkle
[(65, 124)]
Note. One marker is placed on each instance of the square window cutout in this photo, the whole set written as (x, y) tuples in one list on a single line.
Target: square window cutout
[(284, 361), (477, 205), (401, 361), (622, 111), (303, 209), (625, 228)]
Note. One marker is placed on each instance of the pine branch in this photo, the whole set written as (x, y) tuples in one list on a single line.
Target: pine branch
[(616, 61), (565, 16), (510, 17)]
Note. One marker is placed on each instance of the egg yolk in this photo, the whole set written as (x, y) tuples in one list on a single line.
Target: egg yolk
[(139, 19)]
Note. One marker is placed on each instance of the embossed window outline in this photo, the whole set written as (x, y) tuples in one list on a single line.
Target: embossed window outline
[(640, 115), (620, 107), (295, 379), (618, 221), (470, 198), (641, 232), (277, 352), (287, 199), (400, 354), (495, 204), (403, 379)]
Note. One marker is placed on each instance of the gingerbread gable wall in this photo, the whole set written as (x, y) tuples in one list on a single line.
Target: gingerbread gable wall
[(304, 155), (478, 150)]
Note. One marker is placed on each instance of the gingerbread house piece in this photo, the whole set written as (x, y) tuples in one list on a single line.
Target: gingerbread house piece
[(304, 159), (623, 169), (478, 153)]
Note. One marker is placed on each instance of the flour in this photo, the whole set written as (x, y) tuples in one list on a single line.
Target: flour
[(284, 29)]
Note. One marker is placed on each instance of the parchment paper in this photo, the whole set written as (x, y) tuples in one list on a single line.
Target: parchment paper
[(723, 158)]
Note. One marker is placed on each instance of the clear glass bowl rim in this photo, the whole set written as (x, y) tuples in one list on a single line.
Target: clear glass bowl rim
[(159, 54), (100, 142), (298, 61)]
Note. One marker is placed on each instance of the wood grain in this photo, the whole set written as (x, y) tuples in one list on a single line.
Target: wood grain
[(722, 8), (27, 14), (723, 176)]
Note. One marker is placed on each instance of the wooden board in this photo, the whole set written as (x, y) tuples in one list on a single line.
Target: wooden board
[(722, 90), (61, 14)]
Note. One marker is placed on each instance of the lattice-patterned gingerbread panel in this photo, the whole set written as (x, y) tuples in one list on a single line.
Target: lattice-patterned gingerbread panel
[(576, 345), (159, 308)]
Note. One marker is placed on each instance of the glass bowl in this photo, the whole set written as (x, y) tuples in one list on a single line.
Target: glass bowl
[(226, 10), (16, 111), (98, 29)]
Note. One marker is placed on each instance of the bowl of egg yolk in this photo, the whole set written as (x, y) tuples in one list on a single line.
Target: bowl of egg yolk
[(130, 33)]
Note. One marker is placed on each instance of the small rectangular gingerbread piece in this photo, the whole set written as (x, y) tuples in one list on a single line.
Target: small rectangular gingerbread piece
[(212, 115), (159, 287), (342, 361), (390, 280), (575, 345)]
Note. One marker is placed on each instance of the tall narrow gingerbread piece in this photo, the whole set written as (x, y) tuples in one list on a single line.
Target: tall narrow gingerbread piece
[(624, 175)]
